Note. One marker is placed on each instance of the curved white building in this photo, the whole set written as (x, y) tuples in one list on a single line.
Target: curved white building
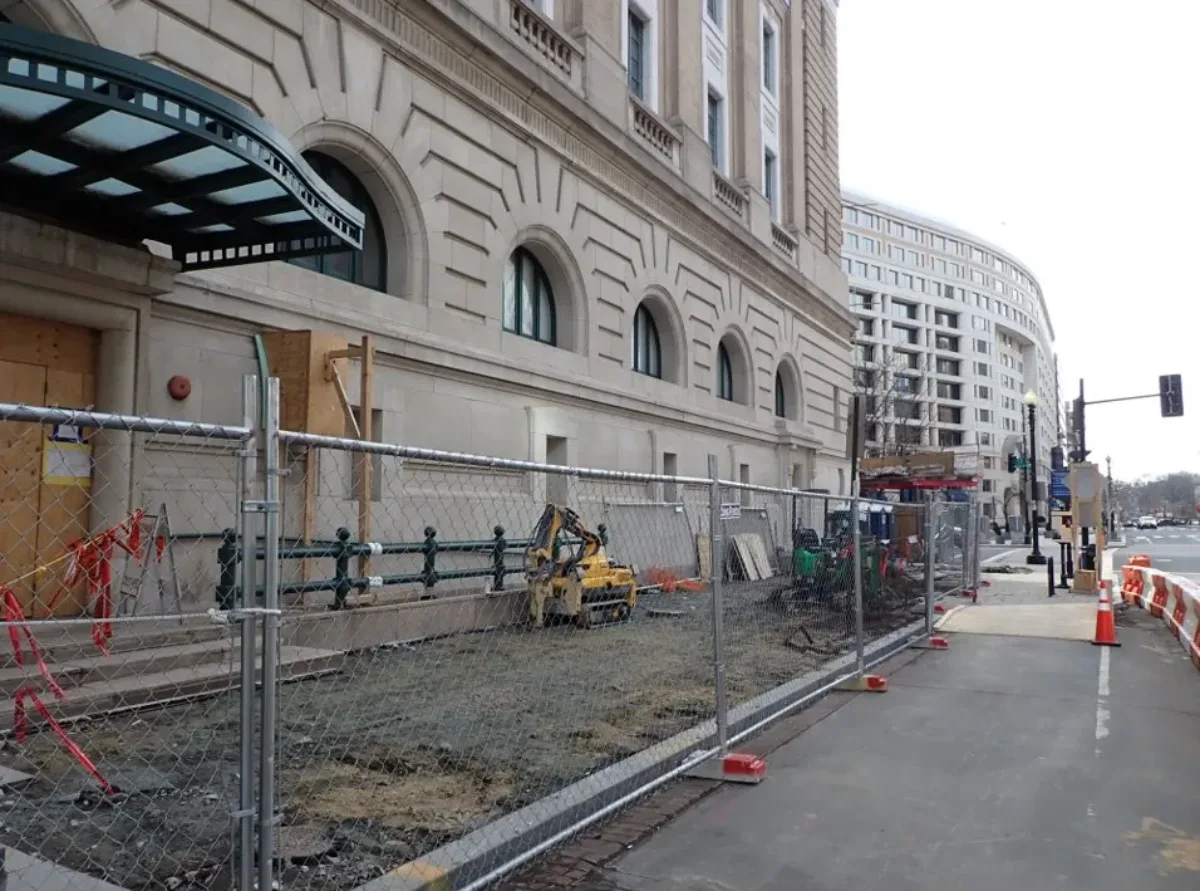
[(952, 333)]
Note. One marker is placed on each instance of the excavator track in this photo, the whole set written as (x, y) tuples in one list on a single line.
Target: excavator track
[(614, 609)]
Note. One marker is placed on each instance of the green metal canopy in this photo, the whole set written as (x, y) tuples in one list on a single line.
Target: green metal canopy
[(102, 143)]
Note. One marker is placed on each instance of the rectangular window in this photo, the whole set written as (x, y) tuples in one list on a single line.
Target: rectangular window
[(768, 57), (716, 129), (866, 354), (983, 369), (989, 462), (877, 273), (905, 384), (983, 392), (869, 245), (987, 485), (913, 360), (979, 323), (907, 410), (867, 326), (950, 438), (946, 342), (948, 319), (948, 366), (949, 414), (893, 277), (896, 252), (849, 237), (983, 415), (713, 8), (770, 190), (947, 390), (982, 346), (902, 310), (637, 55), (860, 268), (895, 228), (862, 300)]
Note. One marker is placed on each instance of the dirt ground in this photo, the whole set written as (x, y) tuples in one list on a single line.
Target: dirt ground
[(406, 748)]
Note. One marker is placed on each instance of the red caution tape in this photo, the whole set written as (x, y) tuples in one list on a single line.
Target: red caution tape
[(16, 626), (93, 561), (20, 728)]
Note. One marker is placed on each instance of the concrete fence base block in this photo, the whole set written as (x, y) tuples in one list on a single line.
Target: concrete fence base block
[(496, 844)]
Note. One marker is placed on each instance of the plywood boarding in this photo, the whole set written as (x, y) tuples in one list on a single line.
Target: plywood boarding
[(41, 363), (20, 479), (63, 511), (308, 402)]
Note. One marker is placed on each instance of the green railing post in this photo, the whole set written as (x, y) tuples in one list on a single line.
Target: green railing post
[(429, 570), (499, 546), (227, 575), (341, 568)]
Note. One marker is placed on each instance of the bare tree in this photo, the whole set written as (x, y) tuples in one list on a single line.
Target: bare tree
[(896, 410)]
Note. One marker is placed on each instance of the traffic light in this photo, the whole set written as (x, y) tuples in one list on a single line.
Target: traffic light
[(1170, 395), (1012, 462)]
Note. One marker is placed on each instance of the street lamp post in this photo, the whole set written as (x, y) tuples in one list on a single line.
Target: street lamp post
[(1112, 513), (1031, 400)]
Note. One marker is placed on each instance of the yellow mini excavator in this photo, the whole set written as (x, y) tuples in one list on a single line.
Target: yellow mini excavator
[(582, 584)]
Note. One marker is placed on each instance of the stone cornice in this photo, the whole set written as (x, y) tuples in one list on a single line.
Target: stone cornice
[(590, 150)]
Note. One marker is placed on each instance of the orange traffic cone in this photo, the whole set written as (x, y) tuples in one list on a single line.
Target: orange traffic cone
[(1106, 627)]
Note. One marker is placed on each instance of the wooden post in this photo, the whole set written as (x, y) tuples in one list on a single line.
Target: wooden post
[(364, 458)]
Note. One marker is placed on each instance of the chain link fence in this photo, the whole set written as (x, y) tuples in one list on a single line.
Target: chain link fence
[(121, 692), (273, 659)]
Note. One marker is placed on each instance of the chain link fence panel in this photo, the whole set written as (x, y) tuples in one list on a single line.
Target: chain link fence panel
[(509, 631), (121, 702), (788, 586)]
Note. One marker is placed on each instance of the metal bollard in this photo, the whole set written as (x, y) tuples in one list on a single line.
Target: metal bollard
[(1050, 575)]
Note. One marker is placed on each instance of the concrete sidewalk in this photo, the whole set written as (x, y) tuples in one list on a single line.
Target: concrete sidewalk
[(1004, 763)]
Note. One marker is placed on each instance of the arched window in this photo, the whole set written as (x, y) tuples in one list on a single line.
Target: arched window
[(647, 348), (780, 396), (528, 299), (367, 267), (724, 374)]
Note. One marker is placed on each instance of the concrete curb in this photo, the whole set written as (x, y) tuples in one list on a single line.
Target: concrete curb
[(495, 844)]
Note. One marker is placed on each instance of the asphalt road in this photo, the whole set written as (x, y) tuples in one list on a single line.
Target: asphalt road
[(1003, 763), (1172, 548)]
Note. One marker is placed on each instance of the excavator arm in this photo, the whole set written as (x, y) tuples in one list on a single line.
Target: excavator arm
[(555, 520)]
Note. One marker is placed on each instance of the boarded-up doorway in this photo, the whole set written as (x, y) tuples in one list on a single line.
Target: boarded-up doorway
[(44, 478)]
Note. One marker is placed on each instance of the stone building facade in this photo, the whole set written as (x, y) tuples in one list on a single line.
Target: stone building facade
[(599, 232)]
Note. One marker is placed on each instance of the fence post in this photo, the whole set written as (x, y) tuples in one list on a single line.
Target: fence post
[(267, 818), (930, 563), (717, 571), (226, 596), (499, 546), (857, 569)]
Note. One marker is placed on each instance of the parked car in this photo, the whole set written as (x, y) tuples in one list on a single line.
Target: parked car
[(1147, 522)]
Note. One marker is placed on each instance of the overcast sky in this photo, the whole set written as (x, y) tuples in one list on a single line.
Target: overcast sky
[(1064, 131)]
